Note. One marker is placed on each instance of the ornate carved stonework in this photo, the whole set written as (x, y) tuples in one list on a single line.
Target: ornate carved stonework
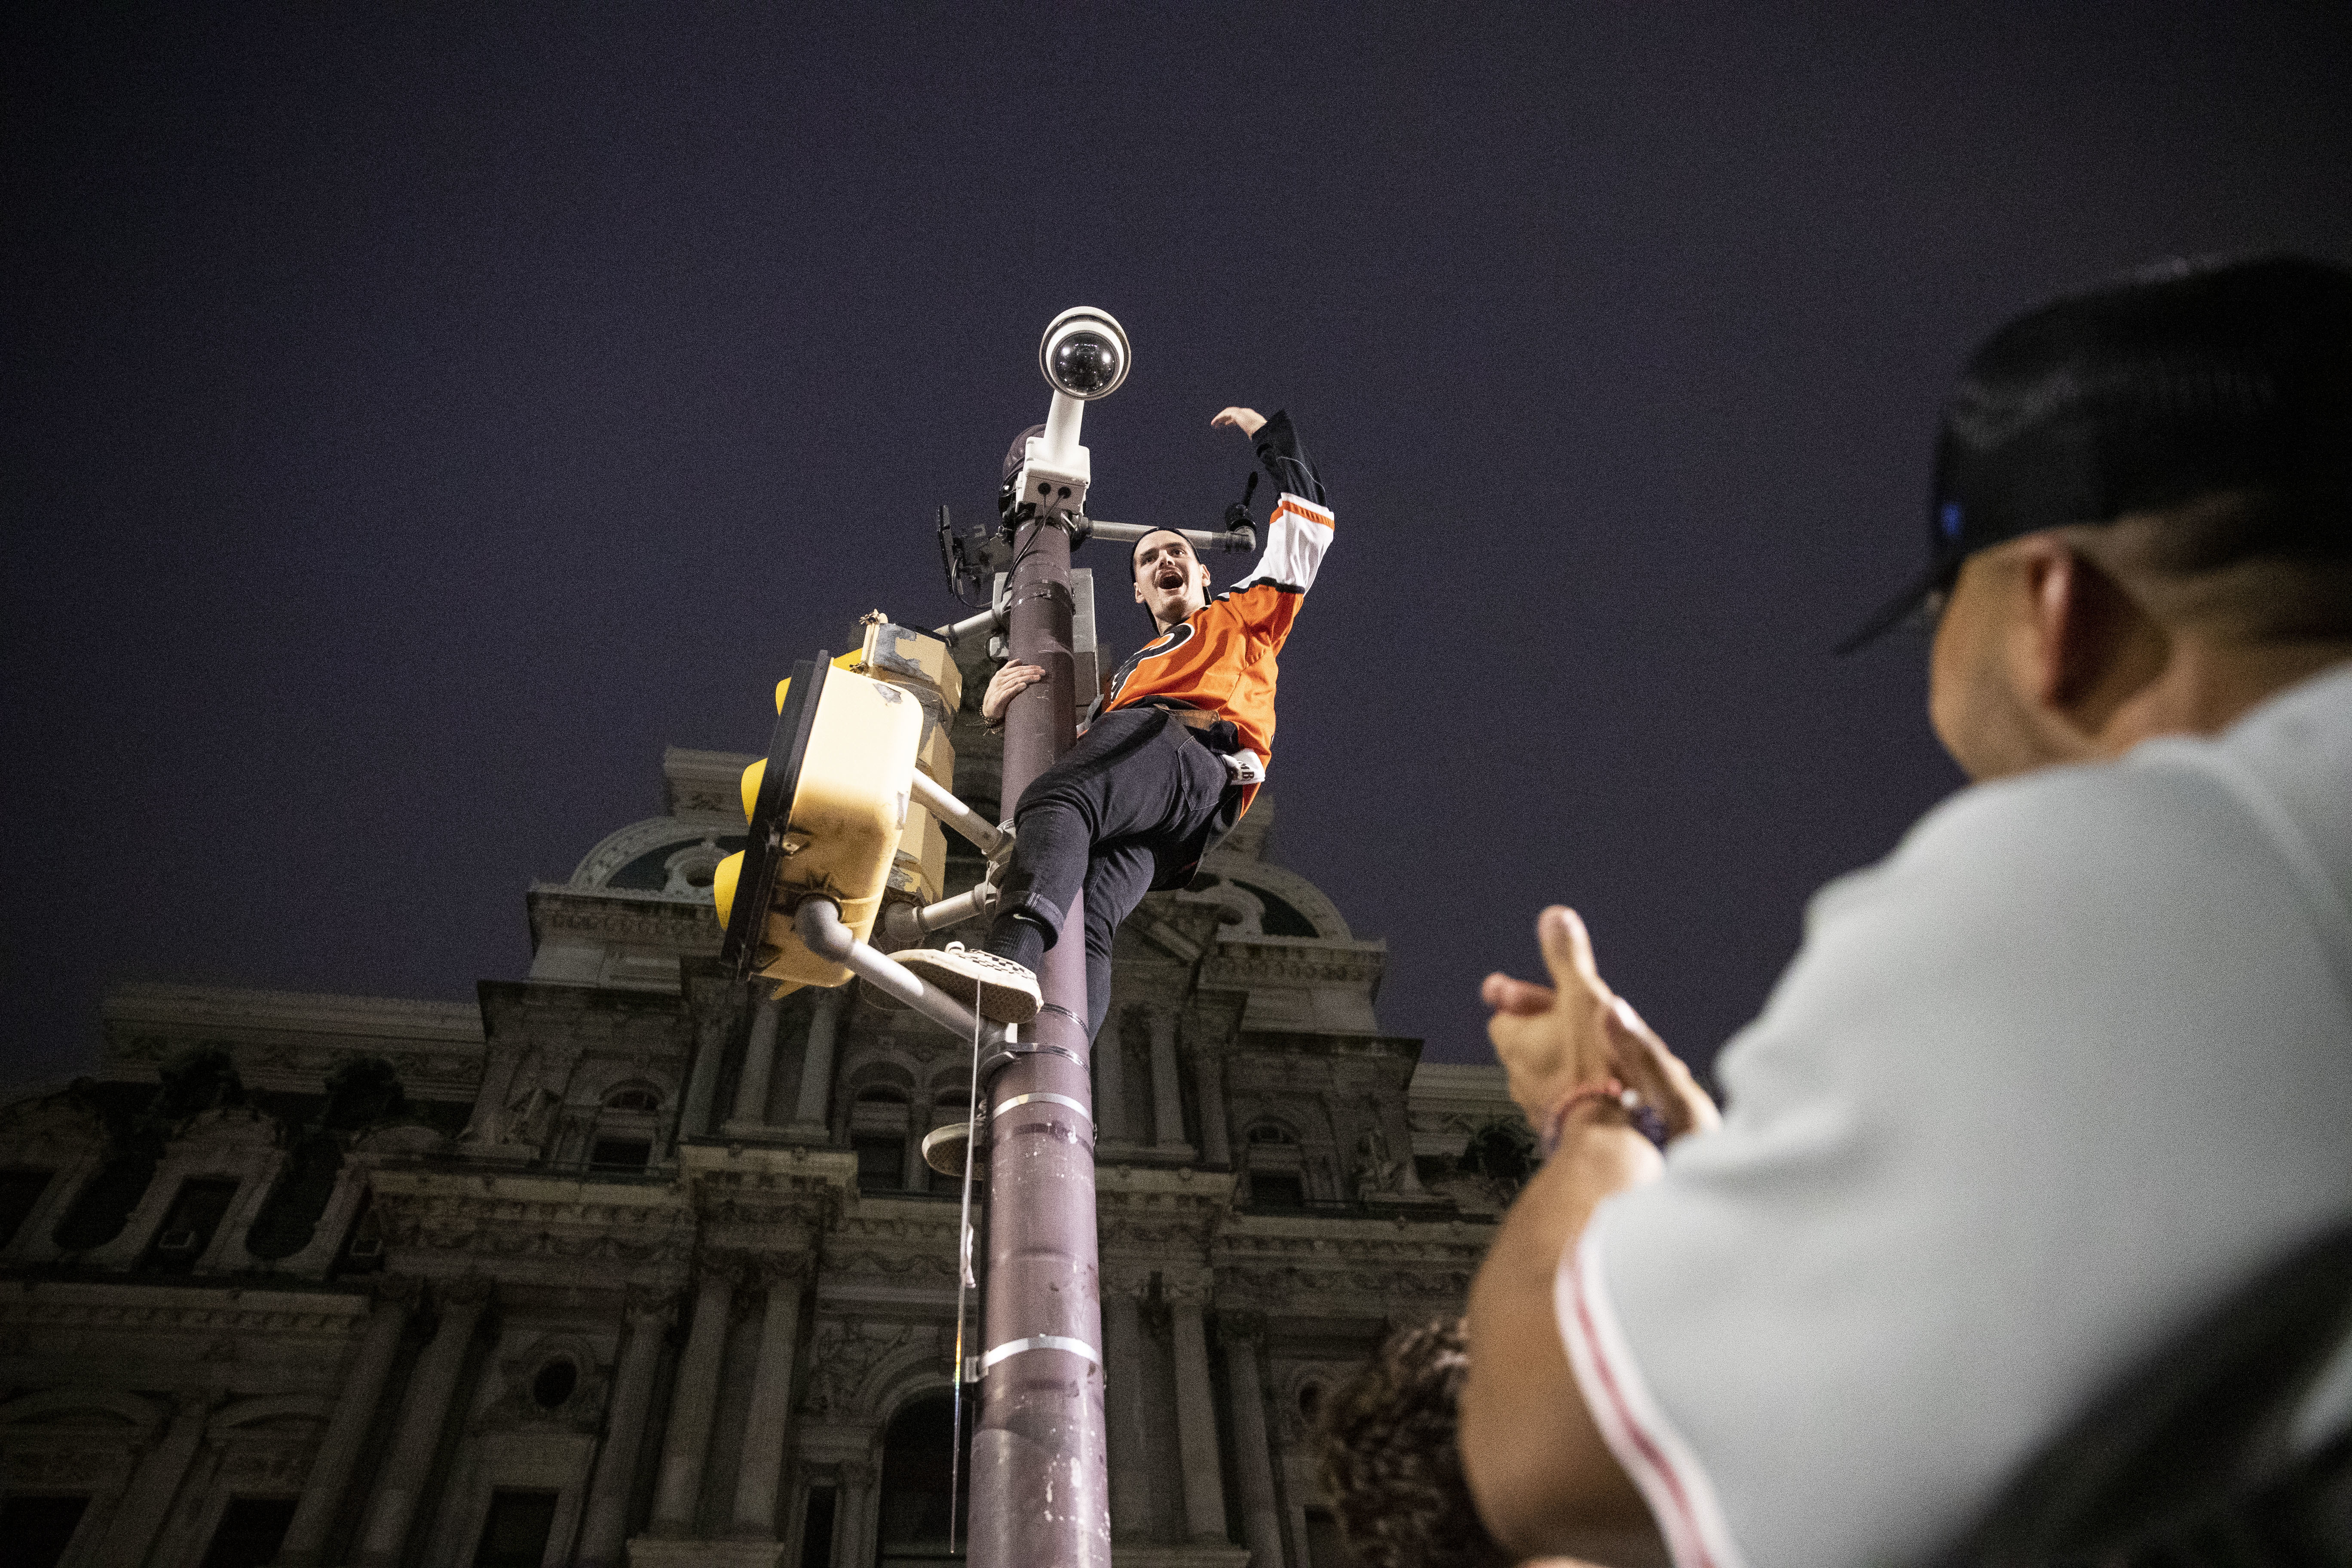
[(576, 1158), (843, 1359)]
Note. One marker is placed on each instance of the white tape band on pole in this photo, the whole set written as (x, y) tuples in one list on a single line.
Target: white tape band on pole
[(1004, 1106), (1039, 1342)]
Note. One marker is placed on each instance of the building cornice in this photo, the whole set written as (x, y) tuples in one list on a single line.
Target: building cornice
[(290, 1041), (681, 922), (389, 1020)]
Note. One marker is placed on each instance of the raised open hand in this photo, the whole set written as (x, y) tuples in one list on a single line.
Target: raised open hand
[(1575, 1032)]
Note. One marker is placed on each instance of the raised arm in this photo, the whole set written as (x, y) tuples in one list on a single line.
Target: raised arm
[(1537, 1465)]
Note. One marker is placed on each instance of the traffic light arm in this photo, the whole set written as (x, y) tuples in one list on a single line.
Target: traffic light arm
[(820, 925), (953, 813)]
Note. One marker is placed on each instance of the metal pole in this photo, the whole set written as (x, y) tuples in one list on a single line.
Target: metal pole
[(1041, 1492)]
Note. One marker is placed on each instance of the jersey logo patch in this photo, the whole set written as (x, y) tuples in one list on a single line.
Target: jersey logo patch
[(1165, 642)]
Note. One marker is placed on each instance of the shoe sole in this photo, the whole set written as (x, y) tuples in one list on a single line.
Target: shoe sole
[(997, 1001)]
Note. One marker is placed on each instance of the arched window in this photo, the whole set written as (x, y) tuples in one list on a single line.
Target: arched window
[(915, 1482), (629, 1124), (877, 1131), (1275, 1170)]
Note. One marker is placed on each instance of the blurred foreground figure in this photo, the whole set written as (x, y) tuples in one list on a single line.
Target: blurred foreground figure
[(2044, 1090), (1389, 1465), (1392, 1469)]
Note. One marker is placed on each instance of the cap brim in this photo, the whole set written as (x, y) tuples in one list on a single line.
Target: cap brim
[(1897, 610)]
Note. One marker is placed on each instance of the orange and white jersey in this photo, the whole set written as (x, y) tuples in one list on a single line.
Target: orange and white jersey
[(1222, 659)]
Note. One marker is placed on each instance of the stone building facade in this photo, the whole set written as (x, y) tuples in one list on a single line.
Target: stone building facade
[(623, 1266)]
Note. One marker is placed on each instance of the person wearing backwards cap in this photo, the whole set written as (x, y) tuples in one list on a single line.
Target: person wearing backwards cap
[(2045, 1086), (1173, 753)]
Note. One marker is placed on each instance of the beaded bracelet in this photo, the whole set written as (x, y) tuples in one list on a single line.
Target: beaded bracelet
[(1607, 1091)]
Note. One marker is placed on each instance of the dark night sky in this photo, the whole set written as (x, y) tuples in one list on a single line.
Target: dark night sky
[(412, 425)]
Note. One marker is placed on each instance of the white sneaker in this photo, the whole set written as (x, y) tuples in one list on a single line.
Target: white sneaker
[(996, 987)]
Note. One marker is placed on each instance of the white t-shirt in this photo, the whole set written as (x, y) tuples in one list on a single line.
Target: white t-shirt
[(2038, 1090)]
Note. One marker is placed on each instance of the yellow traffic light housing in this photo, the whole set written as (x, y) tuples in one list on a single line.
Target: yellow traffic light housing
[(827, 807)]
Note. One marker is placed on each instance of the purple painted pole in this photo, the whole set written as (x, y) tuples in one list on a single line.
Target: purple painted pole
[(1040, 1484)]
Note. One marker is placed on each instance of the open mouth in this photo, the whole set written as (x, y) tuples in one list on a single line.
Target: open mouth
[(1169, 578)]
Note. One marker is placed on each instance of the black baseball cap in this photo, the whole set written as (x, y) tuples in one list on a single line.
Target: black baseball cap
[(2186, 379)]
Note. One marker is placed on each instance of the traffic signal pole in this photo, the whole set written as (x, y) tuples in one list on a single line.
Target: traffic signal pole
[(1041, 1495)]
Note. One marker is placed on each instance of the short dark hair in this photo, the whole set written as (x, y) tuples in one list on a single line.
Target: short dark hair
[(1392, 1466), (1134, 556)]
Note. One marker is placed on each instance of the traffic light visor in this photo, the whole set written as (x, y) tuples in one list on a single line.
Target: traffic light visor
[(723, 885), (752, 777)]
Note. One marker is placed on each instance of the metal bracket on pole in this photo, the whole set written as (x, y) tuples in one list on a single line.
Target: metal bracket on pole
[(906, 925), (989, 622), (1019, 1040), (819, 923)]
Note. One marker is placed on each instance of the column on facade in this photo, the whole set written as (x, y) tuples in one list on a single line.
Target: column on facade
[(855, 1511), (758, 1068), (35, 1242), (1300, 1548), (687, 1445), (1209, 1089), (334, 1225), (432, 1387), (1166, 1098), (1123, 1407), (488, 1123), (140, 1512), (761, 1470), (816, 1064), (702, 1083), (1253, 1457), (255, 1182), (603, 1533), (146, 1216), (914, 1172), (1196, 1425), (348, 1427), (1110, 1087)]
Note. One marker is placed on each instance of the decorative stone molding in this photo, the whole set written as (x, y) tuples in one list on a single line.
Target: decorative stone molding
[(854, 1364), (30, 1307), (768, 1271), (650, 1306), (520, 1219), (463, 1290), (517, 1405), (678, 922), (704, 783), (1240, 1328), (288, 1041), (659, 1551), (406, 1289)]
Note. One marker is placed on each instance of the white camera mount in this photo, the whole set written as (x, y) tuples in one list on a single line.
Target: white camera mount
[(1083, 355)]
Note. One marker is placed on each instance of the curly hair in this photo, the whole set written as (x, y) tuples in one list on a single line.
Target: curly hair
[(1389, 1463)]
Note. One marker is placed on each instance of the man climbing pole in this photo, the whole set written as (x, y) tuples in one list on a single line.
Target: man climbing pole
[(1171, 754)]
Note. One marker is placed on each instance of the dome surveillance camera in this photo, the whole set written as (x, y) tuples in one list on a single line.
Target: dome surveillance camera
[(1084, 354)]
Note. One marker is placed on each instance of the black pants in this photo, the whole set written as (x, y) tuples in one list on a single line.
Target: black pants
[(1128, 809)]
